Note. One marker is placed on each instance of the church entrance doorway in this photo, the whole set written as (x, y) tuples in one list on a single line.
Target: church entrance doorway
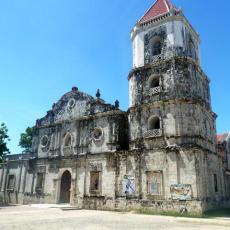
[(65, 187)]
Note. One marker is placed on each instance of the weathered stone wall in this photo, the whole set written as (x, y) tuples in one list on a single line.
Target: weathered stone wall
[(182, 122), (179, 78), (113, 127), (188, 166), (12, 192), (181, 102)]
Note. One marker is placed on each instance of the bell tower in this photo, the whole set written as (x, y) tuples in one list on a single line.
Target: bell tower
[(171, 122), (169, 93)]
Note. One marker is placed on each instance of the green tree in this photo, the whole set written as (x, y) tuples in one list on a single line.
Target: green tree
[(3, 141), (25, 141)]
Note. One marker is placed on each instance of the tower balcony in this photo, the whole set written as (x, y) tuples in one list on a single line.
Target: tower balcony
[(170, 52), (157, 57), (155, 90), (153, 133)]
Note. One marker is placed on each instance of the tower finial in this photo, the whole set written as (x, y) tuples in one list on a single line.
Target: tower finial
[(116, 104), (98, 94)]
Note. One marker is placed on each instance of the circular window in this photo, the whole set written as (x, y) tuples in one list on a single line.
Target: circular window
[(44, 141), (71, 103), (97, 134)]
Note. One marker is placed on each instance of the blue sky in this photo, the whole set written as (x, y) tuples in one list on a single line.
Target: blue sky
[(48, 46)]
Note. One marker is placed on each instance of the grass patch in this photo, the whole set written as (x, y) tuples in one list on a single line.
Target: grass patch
[(170, 213), (209, 214)]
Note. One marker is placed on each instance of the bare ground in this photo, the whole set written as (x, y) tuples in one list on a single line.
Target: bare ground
[(46, 217)]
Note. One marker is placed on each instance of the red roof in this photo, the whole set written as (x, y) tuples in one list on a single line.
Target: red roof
[(158, 8), (222, 137)]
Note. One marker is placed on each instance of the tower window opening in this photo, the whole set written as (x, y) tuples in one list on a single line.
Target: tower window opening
[(156, 46), (155, 82), (154, 123)]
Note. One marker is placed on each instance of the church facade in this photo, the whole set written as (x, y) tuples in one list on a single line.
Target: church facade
[(161, 154)]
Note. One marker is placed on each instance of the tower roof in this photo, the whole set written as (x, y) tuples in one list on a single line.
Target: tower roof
[(158, 8), (222, 137)]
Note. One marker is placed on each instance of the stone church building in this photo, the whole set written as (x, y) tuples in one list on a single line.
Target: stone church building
[(161, 154)]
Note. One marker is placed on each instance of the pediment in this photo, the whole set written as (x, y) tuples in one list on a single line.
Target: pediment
[(74, 105)]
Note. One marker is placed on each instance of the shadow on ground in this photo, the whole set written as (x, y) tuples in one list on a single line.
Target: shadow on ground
[(7, 205), (218, 213)]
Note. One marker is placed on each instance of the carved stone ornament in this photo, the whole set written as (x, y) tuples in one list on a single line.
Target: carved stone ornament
[(95, 167), (41, 169), (71, 103), (59, 115), (97, 134), (45, 143)]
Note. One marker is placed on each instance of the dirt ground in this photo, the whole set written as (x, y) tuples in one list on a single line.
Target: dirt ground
[(46, 217)]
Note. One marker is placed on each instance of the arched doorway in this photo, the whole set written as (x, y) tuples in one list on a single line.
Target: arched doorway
[(65, 187)]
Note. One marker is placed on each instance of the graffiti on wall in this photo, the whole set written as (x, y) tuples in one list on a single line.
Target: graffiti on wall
[(181, 191), (129, 185)]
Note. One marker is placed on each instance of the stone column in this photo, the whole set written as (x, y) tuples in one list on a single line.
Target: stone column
[(24, 178), (2, 178), (56, 189), (73, 187)]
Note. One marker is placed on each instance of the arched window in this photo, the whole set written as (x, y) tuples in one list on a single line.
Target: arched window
[(156, 46), (68, 140), (154, 82), (154, 123)]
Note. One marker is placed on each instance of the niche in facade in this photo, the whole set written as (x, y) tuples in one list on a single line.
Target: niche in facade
[(68, 140), (11, 182), (67, 145), (39, 183)]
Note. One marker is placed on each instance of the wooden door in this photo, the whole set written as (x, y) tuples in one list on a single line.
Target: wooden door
[(65, 187)]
